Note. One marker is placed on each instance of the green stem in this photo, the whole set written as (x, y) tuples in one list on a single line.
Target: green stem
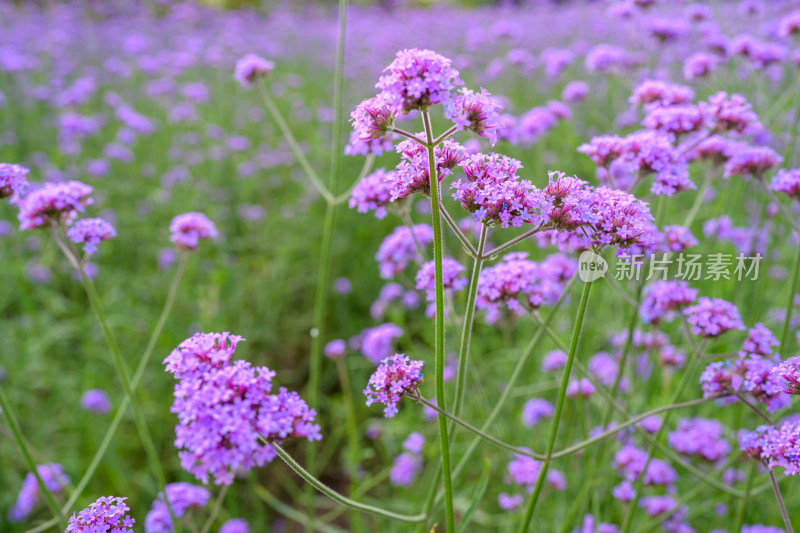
[(469, 318), (698, 200), (777, 491), (352, 436), (505, 246), (458, 233), (339, 498), (787, 321), (365, 168), (438, 246), (551, 442), (13, 424), (788, 216), (216, 509), (290, 513), (740, 513), (123, 408)]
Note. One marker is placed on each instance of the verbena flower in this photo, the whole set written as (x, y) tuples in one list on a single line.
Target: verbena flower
[(373, 193), (535, 410), (250, 68), (580, 387), (90, 232), (413, 172), (656, 93), (452, 281), (106, 515), (376, 343), (235, 525), (181, 497), (524, 470), (678, 239), (789, 25), (225, 409), (731, 113), (787, 182), (789, 372), (55, 480), (575, 91), (619, 219), (568, 202), (373, 118), (702, 437), (417, 79), (752, 161), (405, 469), (478, 112), (664, 298), (675, 119), (414, 443), (606, 58), (713, 317), (759, 342), (335, 349), (53, 203), (396, 376), (13, 180), (775, 446), (698, 65), (399, 248), (764, 386), (554, 360), (96, 401), (187, 230), (629, 462)]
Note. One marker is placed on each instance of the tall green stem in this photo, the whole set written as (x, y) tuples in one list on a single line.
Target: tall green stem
[(13, 424), (352, 436), (215, 510), (469, 318), (787, 320), (786, 521), (551, 442), (438, 245)]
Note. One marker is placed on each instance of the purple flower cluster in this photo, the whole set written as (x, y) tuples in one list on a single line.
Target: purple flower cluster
[(678, 239), (789, 371), (106, 515), (395, 377), (417, 79), (90, 232), (408, 464), (400, 248), (251, 67), (373, 193), (698, 65), (376, 343), (569, 201), (663, 298), (452, 281), (731, 113), (713, 317), (187, 230), (53, 203), (787, 182), (619, 219), (752, 161), (96, 401), (181, 497), (55, 480), (413, 171), (775, 446), (372, 119), (13, 180), (535, 410), (759, 342), (654, 93), (629, 462), (478, 112), (225, 409), (676, 119), (235, 525), (702, 437)]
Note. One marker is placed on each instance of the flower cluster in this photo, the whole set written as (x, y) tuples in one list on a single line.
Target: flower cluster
[(619, 219), (376, 343), (395, 377), (630, 461), (787, 182), (413, 171), (478, 112), (13, 180), (568, 201), (373, 193), (96, 401), (408, 464), (251, 67), (732, 113), (400, 248), (678, 239), (187, 230), (417, 79), (235, 525), (703, 437), (759, 342), (106, 515), (225, 409), (53, 203), (452, 280), (55, 480), (752, 161), (663, 298), (90, 232), (713, 317), (775, 446), (655, 93), (789, 371), (373, 118), (535, 410), (181, 497)]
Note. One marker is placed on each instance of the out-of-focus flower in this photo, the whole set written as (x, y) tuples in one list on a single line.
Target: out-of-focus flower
[(90, 232), (55, 480), (96, 401), (664, 298), (700, 436), (713, 317), (452, 281), (251, 67), (53, 203), (405, 469), (399, 248), (376, 343), (235, 525), (181, 497), (752, 161), (535, 410), (13, 180), (187, 230), (787, 182)]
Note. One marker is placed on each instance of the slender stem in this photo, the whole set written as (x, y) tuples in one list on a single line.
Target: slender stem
[(777, 491), (122, 409), (438, 244), (698, 200), (624, 296), (573, 349), (469, 317), (13, 424), (494, 251), (53, 522), (409, 136), (459, 234), (790, 217), (787, 320), (216, 509), (740, 512), (290, 513), (352, 435), (755, 409), (339, 498), (365, 168), (444, 136), (269, 103)]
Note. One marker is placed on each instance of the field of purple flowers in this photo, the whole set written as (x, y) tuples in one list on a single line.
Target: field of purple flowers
[(234, 300)]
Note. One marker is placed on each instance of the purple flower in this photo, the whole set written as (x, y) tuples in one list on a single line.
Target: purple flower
[(414, 443), (251, 67), (452, 281), (373, 118), (90, 232), (13, 180), (508, 502), (225, 408), (55, 480), (106, 515), (376, 343), (478, 112), (715, 149), (699, 65), (675, 119), (762, 384), (656, 505), (619, 219), (417, 79), (752, 161), (718, 378), (413, 172), (524, 470), (713, 317), (789, 370), (395, 377), (405, 469), (556, 60), (575, 91), (335, 349), (535, 410), (663, 298), (187, 230), (181, 497), (605, 368), (759, 342), (606, 58), (554, 360), (775, 446), (624, 492), (630, 461), (569, 200), (700, 436), (53, 203), (235, 525), (655, 93), (731, 113), (678, 239), (400, 247), (789, 25), (665, 29), (373, 193), (96, 401), (580, 387), (787, 182)]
